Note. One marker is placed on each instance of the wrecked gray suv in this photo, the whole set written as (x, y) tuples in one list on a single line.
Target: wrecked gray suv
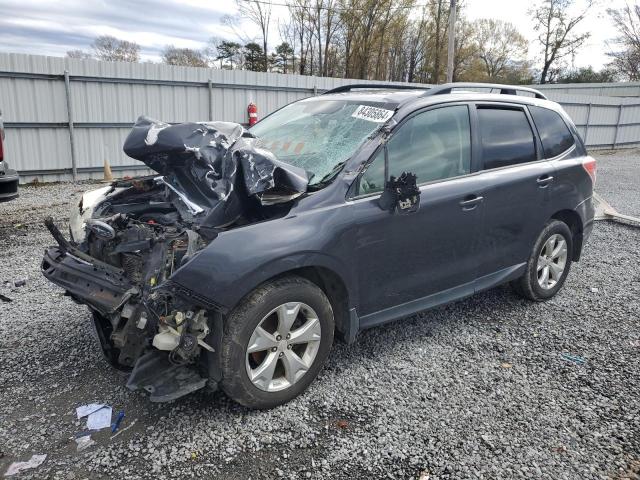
[(234, 266)]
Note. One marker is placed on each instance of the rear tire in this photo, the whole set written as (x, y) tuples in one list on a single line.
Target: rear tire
[(548, 264), (257, 338)]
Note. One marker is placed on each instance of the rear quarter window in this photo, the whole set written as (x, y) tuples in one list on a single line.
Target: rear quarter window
[(554, 134)]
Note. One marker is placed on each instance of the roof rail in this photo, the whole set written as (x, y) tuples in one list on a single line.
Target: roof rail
[(503, 89), (374, 86)]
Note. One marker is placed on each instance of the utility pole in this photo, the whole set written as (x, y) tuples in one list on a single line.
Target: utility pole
[(452, 41)]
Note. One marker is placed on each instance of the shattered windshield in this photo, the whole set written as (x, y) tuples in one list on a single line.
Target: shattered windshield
[(320, 135)]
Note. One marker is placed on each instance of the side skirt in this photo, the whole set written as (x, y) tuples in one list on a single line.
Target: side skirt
[(446, 296)]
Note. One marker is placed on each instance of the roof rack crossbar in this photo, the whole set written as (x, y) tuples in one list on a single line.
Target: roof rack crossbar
[(374, 86), (504, 89)]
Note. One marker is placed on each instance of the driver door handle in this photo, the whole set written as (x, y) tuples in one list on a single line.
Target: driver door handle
[(544, 180), (470, 202)]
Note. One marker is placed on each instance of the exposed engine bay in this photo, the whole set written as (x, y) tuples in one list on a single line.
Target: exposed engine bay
[(128, 239)]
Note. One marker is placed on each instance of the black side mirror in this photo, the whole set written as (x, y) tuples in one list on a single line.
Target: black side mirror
[(401, 194)]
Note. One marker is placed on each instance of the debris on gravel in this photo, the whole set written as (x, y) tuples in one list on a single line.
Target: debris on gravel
[(493, 386)]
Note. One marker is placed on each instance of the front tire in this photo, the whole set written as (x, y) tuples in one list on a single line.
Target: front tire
[(275, 342), (548, 264)]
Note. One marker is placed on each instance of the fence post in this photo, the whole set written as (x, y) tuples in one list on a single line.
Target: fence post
[(586, 128), (615, 136), (315, 90), (210, 84), (67, 91)]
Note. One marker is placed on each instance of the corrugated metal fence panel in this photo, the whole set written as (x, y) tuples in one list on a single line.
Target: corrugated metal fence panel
[(31, 100), (37, 148), (627, 89), (107, 98), (612, 121)]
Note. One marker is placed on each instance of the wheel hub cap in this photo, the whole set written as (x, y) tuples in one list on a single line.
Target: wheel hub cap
[(283, 346), (552, 261)]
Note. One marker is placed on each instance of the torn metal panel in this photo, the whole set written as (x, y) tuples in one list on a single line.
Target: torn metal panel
[(212, 167), (165, 381)]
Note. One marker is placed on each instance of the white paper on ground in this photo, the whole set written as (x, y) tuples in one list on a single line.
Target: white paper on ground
[(33, 462), (84, 442), (84, 410), (99, 419)]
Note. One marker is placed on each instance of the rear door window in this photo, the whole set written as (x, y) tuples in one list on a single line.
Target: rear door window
[(506, 137), (554, 134)]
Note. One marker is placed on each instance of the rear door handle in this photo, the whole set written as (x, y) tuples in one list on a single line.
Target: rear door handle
[(544, 180), (470, 202)]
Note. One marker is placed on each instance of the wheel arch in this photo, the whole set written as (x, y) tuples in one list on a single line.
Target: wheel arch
[(573, 220), (332, 285)]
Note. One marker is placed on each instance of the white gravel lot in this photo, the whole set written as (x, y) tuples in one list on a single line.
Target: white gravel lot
[(477, 389)]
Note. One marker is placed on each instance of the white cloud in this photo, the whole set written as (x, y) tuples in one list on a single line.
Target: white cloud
[(516, 11), (52, 28)]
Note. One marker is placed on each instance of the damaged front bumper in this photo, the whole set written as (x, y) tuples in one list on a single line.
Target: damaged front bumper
[(128, 240), (156, 334), (103, 287)]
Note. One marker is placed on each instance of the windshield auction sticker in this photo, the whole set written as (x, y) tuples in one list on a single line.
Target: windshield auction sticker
[(372, 114)]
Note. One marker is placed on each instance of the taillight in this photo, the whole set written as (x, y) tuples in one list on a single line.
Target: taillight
[(590, 166)]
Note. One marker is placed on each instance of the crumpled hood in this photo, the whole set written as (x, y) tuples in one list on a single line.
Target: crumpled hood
[(217, 165)]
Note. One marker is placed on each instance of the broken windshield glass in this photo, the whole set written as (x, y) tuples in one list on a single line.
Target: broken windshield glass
[(319, 135)]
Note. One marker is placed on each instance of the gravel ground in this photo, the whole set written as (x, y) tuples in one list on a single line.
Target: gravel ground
[(618, 174), (476, 389)]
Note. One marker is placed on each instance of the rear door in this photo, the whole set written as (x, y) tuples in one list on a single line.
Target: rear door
[(572, 184), (403, 258), (516, 181)]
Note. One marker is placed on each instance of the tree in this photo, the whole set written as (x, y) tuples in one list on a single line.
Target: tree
[(210, 51), (465, 49), (81, 54), (254, 58), (111, 49), (626, 59), (283, 54), (258, 12), (588, 75), (390, 40), (229, 52), (184, 57), (500, 47), (556, 28), (324, 21)]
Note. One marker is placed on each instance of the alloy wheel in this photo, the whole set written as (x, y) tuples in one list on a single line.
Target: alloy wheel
[(283, 346), (552, 261)]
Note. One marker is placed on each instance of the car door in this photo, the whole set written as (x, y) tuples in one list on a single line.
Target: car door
[(402, 258), (517, 201)]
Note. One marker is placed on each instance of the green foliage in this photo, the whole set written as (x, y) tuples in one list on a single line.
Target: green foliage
[(254, 59), (587, 75)]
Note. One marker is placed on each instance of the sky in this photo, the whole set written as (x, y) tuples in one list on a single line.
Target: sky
[(52, 27)]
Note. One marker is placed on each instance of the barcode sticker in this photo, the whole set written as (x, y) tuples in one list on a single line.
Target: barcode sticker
[(372, 114)]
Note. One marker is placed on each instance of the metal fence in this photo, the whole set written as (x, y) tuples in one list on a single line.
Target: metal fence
[(65, 117)]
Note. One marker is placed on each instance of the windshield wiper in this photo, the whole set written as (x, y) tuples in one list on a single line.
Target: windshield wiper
[(328, 178)]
